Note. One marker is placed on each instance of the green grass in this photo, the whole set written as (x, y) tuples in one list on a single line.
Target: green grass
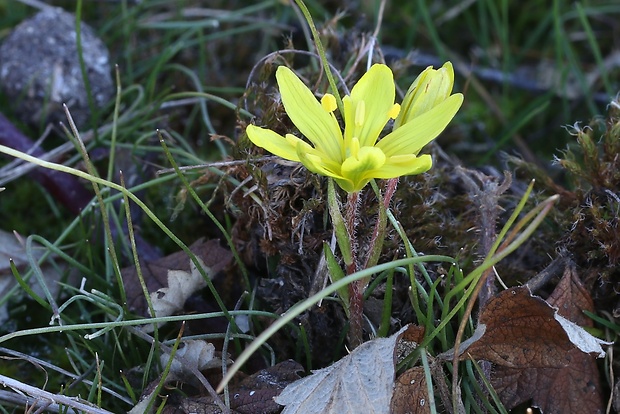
[(185, 75)]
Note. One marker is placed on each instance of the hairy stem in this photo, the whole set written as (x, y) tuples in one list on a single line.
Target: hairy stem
[(378, 234), (356, 288)]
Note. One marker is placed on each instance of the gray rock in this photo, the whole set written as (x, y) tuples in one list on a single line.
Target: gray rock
[(40, 69)]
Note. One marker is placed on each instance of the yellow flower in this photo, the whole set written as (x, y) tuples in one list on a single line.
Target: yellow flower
[(353, 159)]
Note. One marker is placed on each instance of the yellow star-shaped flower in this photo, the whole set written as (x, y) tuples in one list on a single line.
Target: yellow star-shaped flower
[(358, 156)]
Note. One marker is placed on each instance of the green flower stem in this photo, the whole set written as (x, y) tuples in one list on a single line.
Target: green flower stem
[(342, 234)]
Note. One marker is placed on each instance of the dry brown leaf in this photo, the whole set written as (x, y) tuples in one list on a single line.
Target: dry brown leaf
[(562, 390), (519, 330), (571, 388), (411, 393), (155, 273), (361, 382)]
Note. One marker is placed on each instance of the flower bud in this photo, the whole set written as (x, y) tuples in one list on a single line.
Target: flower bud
[(429, 89)]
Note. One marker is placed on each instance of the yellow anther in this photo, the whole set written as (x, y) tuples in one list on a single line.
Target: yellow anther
[(394, 111), (328, 102)]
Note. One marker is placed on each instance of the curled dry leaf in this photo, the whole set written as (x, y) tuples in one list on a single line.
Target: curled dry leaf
[(155, 273), (190, 355), (181, 284), (195, 353), (581, 338), (361, 382)]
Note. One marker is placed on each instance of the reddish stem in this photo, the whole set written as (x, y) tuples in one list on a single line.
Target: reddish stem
[(356, 294), (390, 189)]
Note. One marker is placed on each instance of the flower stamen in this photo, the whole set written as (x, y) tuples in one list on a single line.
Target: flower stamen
[(394, 111), (360, 113), (328, 102), (355, 147)]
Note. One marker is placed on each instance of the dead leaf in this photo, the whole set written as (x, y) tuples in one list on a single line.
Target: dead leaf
[(581, 338), (573, 387), (155, 273), (361, 382), (411, 393), (518, 330), (181, 285), (191, 355), (571, 298)]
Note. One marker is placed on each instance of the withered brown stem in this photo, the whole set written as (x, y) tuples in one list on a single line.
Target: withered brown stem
[(485, 192)]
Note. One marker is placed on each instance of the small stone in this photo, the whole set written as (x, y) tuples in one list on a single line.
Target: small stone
[(40, 69)]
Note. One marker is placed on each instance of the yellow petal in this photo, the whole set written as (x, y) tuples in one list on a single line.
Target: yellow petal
[(400, 165), (274, 142), (316, 161), (312, 120), (369, 106), (412, 136)]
